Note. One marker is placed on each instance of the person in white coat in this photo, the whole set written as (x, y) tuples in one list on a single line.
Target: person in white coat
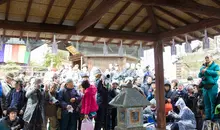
[(185, 119)]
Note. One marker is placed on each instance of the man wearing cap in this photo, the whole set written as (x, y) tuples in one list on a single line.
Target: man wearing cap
[(11, 122), (69, 100), (209, 73), (5, 87), (102, 100)]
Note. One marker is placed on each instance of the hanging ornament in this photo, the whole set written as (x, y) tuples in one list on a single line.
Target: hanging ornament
[(206, 44), (173, 48), (140, 51), (28, 45), (1, 43), (54, 45), (188, 48), (121, 50), (105, 49)]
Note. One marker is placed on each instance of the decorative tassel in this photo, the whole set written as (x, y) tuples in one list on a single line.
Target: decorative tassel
[(206, 44), (140, 51), (28, 45), (121, 50), (54, 45), (188, 48), (173, 48), (1, 43), (105, 49)]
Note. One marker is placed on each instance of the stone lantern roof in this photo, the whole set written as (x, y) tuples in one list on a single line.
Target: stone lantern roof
[(128, 98)]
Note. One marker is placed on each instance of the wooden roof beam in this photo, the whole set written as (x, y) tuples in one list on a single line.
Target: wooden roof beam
[(152, 18), (86, 10), (216, 2), (28, 10), (118, 14), (84, 14), (184, 5), (82, 39), (62, 29), (141, 23), (7, 9), (131, 18), (48, 10), (190, 28), (67, 11), (95, 15)]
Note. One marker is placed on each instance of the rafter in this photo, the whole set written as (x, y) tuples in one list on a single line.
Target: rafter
[(184, 5), (86, 10), (48, 10), (190, 28), (7, 9), (153, 21), (131, 18), (217, 2), (95, 15), (67, 11), (172, 15), (83, 15), (118, 14), (82, 39), (141, 23), (194, 16), (28, 10)]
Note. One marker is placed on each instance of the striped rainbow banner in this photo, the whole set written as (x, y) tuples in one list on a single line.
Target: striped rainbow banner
[(14, 53)]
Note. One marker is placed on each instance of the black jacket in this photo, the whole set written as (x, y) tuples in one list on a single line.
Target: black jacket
[(22, 101), (65, 95), (102, 94), (6, 124)]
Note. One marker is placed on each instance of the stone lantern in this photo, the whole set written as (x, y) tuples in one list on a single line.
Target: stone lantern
[(129, 105)]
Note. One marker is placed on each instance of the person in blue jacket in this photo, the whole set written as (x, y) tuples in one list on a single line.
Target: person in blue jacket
[(209, 73)]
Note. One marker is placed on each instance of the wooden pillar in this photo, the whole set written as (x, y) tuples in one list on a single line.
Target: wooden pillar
[(159, 76)]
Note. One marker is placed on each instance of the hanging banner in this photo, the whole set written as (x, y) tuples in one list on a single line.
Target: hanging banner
[(121, 50), (72, 50), (206, 44), (173, 49), (105, 49), (140, 51), (54, 45), (188, 48)]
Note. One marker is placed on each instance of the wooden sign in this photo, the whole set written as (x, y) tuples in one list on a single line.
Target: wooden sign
[(72, 50)]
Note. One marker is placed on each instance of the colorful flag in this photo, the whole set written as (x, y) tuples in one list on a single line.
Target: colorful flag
[(2, 53), (188, 48), (173, 48), (21, 53), (8, 53), (15, 49), (105, 49), (206, 44), (121, 50)]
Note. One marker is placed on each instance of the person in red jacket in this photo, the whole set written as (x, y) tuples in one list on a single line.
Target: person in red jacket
[(89, 105)]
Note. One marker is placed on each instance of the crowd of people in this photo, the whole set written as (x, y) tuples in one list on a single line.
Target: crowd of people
[(61, 100)]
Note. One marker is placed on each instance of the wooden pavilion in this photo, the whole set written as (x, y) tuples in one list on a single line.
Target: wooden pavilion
[(154, 22)]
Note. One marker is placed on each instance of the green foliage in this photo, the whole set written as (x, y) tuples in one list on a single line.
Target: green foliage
[(54, 60), (10, 67)]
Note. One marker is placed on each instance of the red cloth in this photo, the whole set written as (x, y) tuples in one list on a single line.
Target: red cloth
[(89, 101), (168, 107)]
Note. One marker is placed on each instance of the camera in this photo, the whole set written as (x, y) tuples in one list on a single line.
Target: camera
[(107, 80)]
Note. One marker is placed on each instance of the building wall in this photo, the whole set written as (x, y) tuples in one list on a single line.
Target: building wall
[(103, 62)]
